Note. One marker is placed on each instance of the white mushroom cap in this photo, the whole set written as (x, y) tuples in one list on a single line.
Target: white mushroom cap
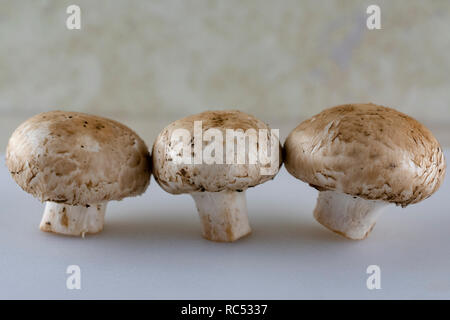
[(78, 159), (179, 178), (368, 151)]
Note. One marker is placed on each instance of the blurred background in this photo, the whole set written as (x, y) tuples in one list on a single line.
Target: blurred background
[(147, 63)]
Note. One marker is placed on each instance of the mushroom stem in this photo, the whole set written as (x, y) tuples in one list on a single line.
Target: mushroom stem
[(73, 220), (349, 216), (223, 214)]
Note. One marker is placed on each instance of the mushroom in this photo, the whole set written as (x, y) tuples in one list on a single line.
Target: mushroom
[(76, 163), (361, 157), (217, 185)]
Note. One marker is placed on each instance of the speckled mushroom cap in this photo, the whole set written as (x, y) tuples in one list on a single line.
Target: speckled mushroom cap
[(179, 178), (369, 151), (77, 158)]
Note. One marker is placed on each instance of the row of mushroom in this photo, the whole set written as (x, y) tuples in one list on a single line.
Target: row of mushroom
[(360, 157)]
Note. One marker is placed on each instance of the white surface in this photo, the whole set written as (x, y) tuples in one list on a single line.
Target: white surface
[(151, 248)]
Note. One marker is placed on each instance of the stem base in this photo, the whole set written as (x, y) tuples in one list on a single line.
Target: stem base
[(73, 220), (349, 216), (223, 215)]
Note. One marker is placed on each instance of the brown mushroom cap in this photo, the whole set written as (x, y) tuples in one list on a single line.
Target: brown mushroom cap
[(179, 178), (368, 151), (77, 158)]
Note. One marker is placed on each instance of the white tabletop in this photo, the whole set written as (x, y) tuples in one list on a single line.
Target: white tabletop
[(151, 248)]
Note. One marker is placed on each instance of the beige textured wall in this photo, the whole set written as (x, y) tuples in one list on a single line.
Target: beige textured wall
[(147, 63)]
